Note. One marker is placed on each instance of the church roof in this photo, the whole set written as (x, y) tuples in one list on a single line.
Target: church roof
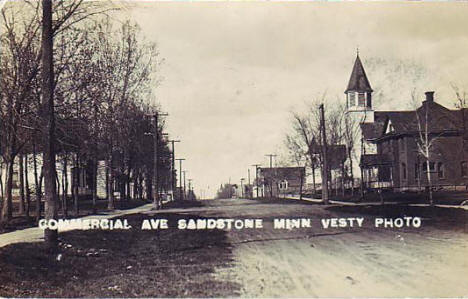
[(358, 80), (439, 118)]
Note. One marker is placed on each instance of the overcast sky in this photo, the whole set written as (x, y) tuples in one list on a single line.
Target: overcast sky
[(233, 71)]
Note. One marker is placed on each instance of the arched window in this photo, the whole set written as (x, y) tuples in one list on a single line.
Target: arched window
[(283, 185)]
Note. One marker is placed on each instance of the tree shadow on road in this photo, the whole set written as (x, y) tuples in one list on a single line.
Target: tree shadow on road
[(122, 263)]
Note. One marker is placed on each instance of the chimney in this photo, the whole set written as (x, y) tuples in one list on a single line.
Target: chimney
[(429, 96)]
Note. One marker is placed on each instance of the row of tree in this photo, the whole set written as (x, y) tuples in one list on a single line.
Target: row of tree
[(102, 80)]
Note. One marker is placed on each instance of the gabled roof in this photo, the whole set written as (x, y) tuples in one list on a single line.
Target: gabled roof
[(440, 119), (358, 80), (282, 172)]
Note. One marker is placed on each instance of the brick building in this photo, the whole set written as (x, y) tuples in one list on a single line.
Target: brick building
[(399, 149)]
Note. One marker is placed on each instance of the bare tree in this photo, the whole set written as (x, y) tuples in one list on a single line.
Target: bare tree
[(350, 139), (426, 140), (305, 139)]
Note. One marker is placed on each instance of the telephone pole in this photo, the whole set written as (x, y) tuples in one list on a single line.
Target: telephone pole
[(190, 189), (48, 121), (173, 180), (248, 180), (156, 158), (180, 177), (256, 176), (185, 189), (271, 173), (242, 186), (325, 158)]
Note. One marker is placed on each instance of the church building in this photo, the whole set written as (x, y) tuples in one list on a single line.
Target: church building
[(407, 150)]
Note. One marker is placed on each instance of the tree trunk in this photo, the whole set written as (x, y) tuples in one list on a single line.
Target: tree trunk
[(302, 183), (50, 236), (351, 172), (94, 184), (429, 181), (140, 186), (1, 183), (76, 182), (111, 201), (21, 184), (28, 191), (149, 185), (135, 184), (7, 211), (57, 191), (342, 179), (314, 185), (38, 184), (129, 171), (65, 186)]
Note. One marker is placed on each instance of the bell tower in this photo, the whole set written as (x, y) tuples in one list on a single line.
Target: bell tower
[(359, 94)]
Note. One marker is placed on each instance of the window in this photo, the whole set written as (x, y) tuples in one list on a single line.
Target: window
[(416, 171), (369, 100), (403, 170), (431, 166), (440, 170), (390, 127), (283, 185), (352, 99), (362, 99), (464, 168)]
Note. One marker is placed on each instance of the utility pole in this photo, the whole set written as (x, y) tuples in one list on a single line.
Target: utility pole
[(48, 120), (159, 159), (242, 186), (248, 184), (156, 159), (180, 177), (271, 173), (325, 158), (185, 189), (190, 188), (173, 180), (256, 176)]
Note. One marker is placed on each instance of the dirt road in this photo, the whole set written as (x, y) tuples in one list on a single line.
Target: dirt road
[(428, 261)]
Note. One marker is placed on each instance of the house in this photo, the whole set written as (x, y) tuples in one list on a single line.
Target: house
[(408, 150), (277, 181)]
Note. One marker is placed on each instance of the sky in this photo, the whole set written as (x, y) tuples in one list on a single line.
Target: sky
[(233, 72)]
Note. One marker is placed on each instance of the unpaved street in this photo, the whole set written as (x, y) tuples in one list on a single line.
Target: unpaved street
[(428, 261)]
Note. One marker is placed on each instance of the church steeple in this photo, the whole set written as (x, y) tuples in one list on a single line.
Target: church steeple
[(359, 91)]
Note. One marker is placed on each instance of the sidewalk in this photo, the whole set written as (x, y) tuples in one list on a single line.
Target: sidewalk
[(35, 234), (375, 203)]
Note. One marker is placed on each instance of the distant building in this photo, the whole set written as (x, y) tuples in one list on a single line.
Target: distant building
[(281, 180)]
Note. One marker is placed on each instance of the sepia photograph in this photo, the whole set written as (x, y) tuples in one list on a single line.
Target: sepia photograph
[(247, 149)]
